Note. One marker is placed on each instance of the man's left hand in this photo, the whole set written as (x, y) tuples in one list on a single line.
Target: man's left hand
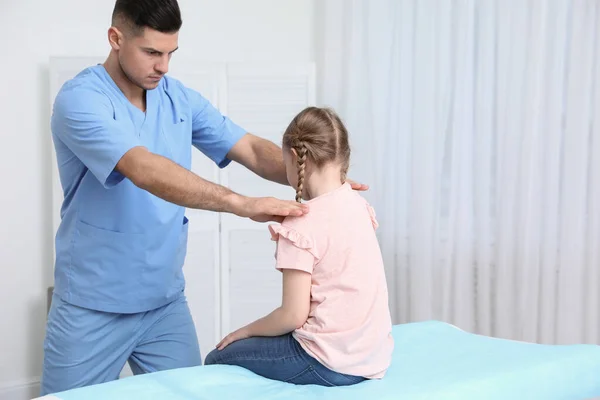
[(357, 186)]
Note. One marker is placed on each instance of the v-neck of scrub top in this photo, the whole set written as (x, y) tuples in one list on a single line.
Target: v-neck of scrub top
[(139, 117)]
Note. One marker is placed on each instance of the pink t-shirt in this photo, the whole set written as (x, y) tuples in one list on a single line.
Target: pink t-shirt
[(349, 326)]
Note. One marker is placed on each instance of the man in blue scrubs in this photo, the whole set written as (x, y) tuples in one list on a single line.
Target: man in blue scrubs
[(123, 133)]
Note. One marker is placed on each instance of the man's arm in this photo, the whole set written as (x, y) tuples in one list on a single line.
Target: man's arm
[(265, 159), (171, 182), (82, 120), (260, 156), (223, 141)]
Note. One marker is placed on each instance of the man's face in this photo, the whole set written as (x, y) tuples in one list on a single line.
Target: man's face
[(144, 58)]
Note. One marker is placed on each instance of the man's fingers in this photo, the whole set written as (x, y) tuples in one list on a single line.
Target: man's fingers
[(296, 212), (267, 209), (357, 186), (285, 208), (298, 207)]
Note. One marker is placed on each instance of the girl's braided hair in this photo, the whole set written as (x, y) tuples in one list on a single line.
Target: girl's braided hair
[(317, 134)]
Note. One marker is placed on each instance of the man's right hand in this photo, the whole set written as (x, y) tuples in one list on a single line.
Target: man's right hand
[(265, 209)]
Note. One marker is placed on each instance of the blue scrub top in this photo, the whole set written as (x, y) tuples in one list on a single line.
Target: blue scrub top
[(119, 248)]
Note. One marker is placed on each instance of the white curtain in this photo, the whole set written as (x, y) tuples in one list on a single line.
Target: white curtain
[(477, 124)]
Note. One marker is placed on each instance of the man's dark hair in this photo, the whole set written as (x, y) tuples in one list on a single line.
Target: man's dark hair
[(160, 15)]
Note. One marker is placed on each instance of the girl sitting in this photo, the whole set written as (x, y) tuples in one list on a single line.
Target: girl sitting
[(333, 327)]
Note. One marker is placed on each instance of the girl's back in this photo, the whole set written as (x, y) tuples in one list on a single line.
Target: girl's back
[(333, 327), (349, 325)]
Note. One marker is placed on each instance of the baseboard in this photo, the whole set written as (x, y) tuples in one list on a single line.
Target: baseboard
[(23, 390)]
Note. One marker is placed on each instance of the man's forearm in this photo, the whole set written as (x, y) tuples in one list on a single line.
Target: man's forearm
[(171, 182), (260, 156), (271, 165)]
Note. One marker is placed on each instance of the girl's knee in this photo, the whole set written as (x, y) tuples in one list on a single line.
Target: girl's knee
[(212, 358)]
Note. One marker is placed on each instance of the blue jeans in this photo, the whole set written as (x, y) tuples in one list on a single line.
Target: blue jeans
[(280, 358)]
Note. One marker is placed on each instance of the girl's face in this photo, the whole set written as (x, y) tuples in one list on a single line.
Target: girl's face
[(291, 167)]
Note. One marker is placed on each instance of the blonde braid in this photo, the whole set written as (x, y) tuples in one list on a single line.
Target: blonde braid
[(301, 168)]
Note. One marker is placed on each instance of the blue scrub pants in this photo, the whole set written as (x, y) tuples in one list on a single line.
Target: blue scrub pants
[(85, 347)]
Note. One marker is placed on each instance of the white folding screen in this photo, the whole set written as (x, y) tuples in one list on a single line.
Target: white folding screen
[(229, 266)]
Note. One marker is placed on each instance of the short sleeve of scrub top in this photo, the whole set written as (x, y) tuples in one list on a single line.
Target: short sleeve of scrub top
[(212, 133), (83, 120)]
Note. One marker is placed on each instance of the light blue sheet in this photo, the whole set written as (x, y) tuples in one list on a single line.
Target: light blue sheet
[(432, 360)]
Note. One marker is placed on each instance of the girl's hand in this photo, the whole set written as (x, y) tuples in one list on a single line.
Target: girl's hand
[(240, 334)]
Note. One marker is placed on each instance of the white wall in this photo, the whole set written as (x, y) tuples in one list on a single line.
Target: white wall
[(30, 32)]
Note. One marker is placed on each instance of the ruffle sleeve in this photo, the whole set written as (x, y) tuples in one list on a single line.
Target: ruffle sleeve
[(290, 234)]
